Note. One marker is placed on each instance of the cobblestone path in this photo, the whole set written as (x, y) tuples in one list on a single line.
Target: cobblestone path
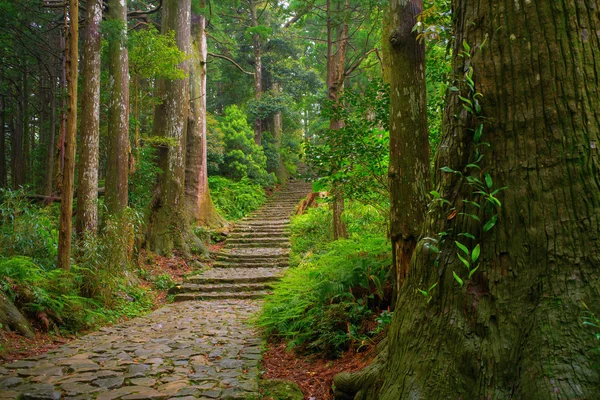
[(200, 349)]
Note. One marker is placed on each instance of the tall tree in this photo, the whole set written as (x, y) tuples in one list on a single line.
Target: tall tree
[(118, 120), (66, 205), (258, 73), (337, 42), (87, 192), (513, 329), (409, 142), (197, 194), (169, 225), (2, 143)]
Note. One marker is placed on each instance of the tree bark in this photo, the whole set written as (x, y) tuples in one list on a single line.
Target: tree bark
[(2, 143), (514, 329), (66, 205), (281, 171), (409, 142), (169, 225), (199, 203), (336, 75), (17, 159), (118, 120), (258, 75), (87, 191), (51, 149)]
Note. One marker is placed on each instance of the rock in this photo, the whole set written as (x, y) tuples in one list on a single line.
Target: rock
[(109, 383), (281, 389)]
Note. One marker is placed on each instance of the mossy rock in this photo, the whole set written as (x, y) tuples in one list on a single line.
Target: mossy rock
[(282, 389)]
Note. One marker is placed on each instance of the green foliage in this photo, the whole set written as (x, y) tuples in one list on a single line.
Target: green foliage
[(322, 304), (155, 55), (27, 230), (215, 143), (163, 282), (141, 184), (236, 199), (243, 157), (269, 104), (356, 157)]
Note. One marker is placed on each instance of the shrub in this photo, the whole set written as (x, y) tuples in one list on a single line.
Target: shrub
[(323, 304), (234, 199), (27, 230)]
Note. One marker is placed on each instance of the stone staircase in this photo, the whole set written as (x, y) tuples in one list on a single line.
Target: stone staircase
[(255, 256)]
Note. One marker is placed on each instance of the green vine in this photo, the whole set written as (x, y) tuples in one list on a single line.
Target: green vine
[(483, 192)]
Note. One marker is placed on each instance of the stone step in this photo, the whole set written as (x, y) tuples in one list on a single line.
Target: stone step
[(220, 287), (220, 296), (239, 275), (259, 245), (251, 264), (257, 235), (250, 258), (256, 240)]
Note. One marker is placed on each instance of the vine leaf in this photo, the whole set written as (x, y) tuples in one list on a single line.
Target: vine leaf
[(490, 224)]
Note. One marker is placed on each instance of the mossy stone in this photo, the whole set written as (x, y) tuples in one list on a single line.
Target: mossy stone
[(282, 389)]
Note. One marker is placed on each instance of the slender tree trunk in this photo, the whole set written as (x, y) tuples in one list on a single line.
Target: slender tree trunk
[(118, 120), (87, 191), (2, 143), (62, 86), (66, 205), (336, 75), (281, 171), (51, 149), (197, 194), (513, 331), (409, 142), (26, 153), (258, 74), (169, 225), (18, 165)]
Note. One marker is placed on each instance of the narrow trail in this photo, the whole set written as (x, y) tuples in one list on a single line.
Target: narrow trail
[(200, 347)]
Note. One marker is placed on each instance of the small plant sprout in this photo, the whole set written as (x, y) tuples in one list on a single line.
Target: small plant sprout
[(426, 293)]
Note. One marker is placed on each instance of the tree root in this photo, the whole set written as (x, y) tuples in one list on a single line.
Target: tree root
[(357, 385)]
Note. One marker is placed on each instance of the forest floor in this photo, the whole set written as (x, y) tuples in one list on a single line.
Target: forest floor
[(313, 374)]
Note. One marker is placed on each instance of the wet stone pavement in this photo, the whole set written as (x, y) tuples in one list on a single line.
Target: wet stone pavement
[(200, 347), (186, 350)]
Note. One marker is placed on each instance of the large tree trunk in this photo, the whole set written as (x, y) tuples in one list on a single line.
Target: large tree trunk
[(514, 330), (66, 205), (87, 191), (336, 75), (197, 195), (409, 143), (2, 143), (118, 120), (169, 225)]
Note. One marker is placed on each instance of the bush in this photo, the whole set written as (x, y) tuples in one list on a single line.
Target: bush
[(311, 232), (323, 304), (27, 230), (235, 200)]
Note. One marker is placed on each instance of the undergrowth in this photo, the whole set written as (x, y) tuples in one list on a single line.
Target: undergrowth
[(97, 290), (235, 199), (337, 295)]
